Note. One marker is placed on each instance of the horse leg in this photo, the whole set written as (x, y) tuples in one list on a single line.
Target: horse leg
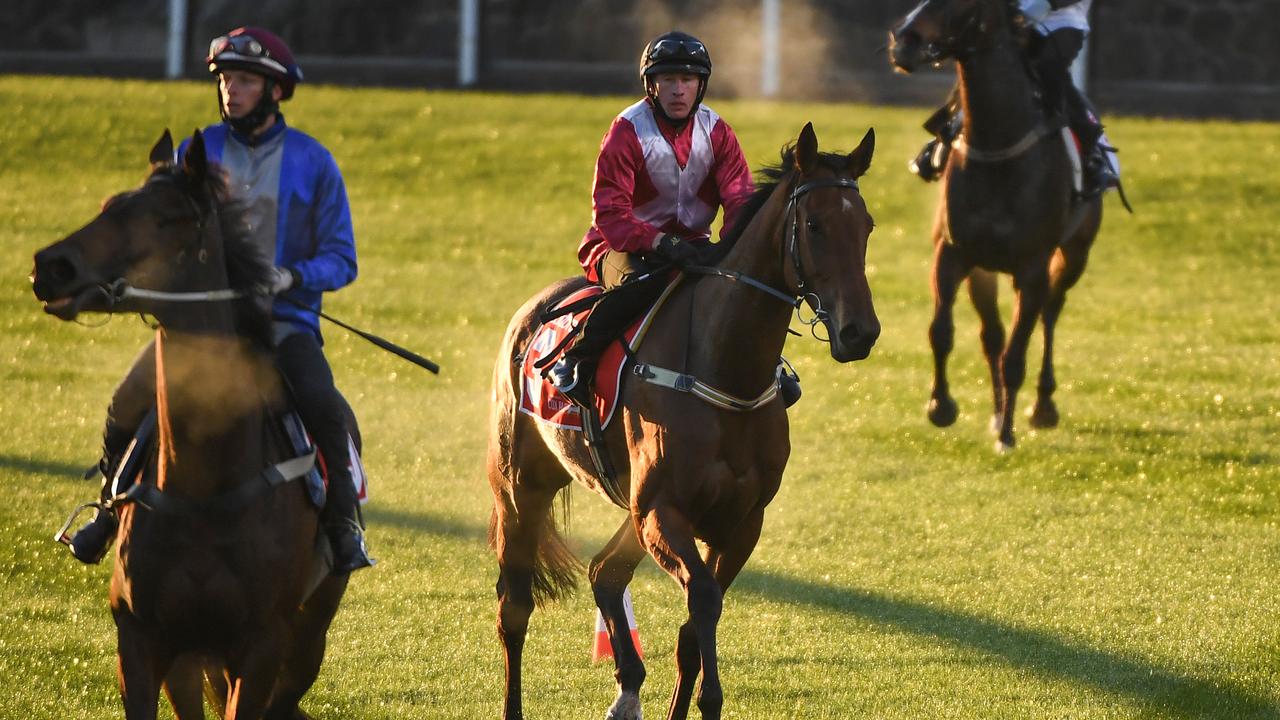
[(517, 529), (253, 674), (140, 668), (1065, 269), (611, 571), (725, 564), (668, 536), (1031, 293), (983, 292), (306, 649), (948, 271), (184, 686)]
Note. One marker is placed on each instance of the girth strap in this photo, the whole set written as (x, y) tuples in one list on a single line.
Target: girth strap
[(232, 501), (682, 382)]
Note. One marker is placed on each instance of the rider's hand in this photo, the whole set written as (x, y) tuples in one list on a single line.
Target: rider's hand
[(280, 280), (1035, 11), (679, 252)]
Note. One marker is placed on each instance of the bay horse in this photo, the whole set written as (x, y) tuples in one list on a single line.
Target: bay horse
[(690, 471), (215, 554), (1006, 206)]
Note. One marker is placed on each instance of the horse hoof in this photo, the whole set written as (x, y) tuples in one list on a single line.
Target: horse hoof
[(996, 424), (1004, 448), (1044, 415), (625, 707), (942, 411)]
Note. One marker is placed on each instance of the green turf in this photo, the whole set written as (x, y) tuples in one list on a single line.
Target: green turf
[(1121, 566)]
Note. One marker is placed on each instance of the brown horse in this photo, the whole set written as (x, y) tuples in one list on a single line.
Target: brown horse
[(215, 551), (1007, 204), (691, 471)]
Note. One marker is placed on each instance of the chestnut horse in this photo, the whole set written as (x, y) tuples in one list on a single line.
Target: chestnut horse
[(215, 552), (1007, 204), (691, 471)]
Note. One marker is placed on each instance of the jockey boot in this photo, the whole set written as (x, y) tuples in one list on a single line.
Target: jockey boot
[(929, 163), (563, 375), (341, 518), (572, 376)]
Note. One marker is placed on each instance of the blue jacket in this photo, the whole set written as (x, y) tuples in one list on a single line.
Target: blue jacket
[(314, 235)]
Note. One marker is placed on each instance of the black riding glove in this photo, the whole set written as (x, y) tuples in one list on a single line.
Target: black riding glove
[(678, 252)]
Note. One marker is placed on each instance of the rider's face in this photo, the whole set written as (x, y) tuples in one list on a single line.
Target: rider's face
[(676, 92), (241, 91)]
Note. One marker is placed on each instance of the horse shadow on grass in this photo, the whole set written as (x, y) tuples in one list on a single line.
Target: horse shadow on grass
[(1162, 690), (1169, 693), (44, 468)]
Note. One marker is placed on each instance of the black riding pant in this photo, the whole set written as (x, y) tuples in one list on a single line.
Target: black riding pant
[(631, 286), (1051, 56), (323, 411)]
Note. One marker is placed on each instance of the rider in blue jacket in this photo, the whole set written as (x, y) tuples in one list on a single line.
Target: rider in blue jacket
[(297, 208)]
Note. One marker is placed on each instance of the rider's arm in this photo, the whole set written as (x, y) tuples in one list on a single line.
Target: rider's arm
[(613, 192), (733, 177), (333, 263)]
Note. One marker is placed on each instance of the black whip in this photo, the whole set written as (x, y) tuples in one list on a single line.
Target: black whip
[(387, 345)]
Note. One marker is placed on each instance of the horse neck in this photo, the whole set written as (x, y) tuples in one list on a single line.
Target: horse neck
[(210, 392), (737, 331), (996, 93)]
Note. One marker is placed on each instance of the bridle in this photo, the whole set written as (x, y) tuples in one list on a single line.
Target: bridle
[(120, 290), (959, 39), (802, 294), (684, 382)]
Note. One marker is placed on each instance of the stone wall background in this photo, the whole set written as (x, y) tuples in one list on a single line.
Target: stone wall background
[(1180, 57)]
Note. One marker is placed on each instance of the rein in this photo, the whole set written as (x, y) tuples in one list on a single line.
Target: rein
[(683, 382)]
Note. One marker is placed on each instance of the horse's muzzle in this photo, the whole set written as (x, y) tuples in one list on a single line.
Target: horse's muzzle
[(906, 51), (58, 283), (855, 342)]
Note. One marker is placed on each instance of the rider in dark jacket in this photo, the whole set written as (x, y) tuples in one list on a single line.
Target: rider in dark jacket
[(1059, 28)]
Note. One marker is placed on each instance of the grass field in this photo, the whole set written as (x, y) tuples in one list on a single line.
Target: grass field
[(1124, 565)]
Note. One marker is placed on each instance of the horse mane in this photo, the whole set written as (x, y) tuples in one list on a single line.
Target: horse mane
[(767, 180), (248, 265)]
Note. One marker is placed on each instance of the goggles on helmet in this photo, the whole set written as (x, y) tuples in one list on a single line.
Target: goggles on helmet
[(673, 48), (244, 47)]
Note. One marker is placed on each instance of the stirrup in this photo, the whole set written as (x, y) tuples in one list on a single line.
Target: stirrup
[(62, 535)]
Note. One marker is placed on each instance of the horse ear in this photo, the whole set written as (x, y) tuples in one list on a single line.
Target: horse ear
[(195, 166), (807, 150), (162, 153), (860, 159)]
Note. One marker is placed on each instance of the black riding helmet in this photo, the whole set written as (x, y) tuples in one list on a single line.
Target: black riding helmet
[(675, 52)]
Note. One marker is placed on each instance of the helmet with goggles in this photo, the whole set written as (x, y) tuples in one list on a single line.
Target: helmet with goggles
[(255, 50), (675, 52)]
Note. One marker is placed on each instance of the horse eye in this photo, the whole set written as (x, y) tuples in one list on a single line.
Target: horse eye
[(812, 225)]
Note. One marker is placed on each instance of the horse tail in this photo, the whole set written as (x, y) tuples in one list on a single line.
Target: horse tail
[(555, 568)]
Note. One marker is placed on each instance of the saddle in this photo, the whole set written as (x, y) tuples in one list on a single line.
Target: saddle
[(543, 401)]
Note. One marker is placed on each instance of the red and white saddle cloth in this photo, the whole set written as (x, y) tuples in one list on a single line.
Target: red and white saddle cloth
[(540, 399)]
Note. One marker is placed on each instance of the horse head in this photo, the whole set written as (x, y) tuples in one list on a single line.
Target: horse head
[(826, 239), (164, 237), (938, 30)]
